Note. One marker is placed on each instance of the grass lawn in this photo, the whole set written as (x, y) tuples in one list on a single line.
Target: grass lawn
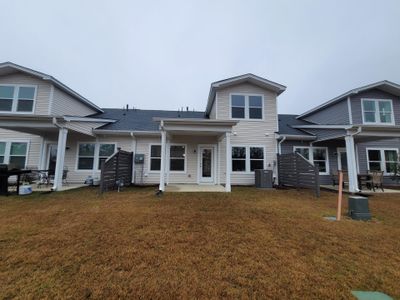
[(247, 244)]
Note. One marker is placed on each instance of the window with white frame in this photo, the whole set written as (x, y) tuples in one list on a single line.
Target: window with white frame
[(246, 107), (91, 155), (177, 155), (17, 98), (382, 160), (13, 153), (247, 158), (315, 155), (377, 111), (238, 159), (155, 157)]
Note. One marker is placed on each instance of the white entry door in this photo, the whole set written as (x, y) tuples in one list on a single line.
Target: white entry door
[(206, 164)]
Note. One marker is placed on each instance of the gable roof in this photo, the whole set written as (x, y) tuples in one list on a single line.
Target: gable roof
[(251, 78), (9, 67), (286, 123), (141, 120), (385, 85)]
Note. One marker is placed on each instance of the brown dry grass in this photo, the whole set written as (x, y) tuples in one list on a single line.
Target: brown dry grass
[(247, 244)]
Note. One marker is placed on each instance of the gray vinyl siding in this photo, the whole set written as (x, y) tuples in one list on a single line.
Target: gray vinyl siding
[(249, 132), (324, 134), (41, 106), (288, 147), (71, 155), (373, 94), (335, 114), (361, 148), (64, 104)]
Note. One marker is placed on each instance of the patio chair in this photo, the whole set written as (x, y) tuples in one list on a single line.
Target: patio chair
[(335, 178), (376, 180), (64, 177)]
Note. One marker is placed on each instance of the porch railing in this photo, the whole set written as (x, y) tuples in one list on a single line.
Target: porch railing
[(295, 171), (116, 170)]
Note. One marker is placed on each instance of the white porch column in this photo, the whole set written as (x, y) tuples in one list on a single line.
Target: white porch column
[(351, 164), (228, 162), (62, 143), (163, 160)]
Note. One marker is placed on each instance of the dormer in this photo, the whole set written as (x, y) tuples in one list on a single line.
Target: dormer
[(24, 91), (245, 98)]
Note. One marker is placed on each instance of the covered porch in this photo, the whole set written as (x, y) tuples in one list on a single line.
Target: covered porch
[(360, 150), (50, 146), (205, 148)]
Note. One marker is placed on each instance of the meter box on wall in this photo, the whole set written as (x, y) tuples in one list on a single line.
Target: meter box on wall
[(139, 158)]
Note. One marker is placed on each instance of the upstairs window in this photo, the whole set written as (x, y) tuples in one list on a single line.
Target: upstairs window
[(238, 107), (17, 98), (377, 111), (246, 107)]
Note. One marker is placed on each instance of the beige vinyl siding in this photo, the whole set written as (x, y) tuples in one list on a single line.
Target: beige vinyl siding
[(64, 104), (71, 156), (34, 144), (191, 173), (83, 127), (213, 112), (42, 93), (249, 132)]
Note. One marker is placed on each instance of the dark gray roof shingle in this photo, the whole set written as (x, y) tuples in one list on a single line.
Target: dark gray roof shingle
[(287, 121), (141, 120)]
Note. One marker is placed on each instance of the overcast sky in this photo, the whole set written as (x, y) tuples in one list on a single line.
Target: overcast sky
[(165, 54)]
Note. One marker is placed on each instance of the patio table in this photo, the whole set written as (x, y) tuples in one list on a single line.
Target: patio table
[(363, 179)]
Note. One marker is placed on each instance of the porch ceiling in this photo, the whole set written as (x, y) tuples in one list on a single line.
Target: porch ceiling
[(44, 125)]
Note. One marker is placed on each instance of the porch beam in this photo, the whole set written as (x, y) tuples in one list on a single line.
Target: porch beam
[(163, 159), (61, 145), (228, 162), (351, 164)]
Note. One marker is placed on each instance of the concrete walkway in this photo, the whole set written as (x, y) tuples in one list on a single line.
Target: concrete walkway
[(191, 188), (364, 191)]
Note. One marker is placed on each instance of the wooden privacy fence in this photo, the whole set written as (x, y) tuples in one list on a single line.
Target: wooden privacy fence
[(115, 170), (295, 171)]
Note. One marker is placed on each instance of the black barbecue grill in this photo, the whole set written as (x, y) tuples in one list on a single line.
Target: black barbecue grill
[(5, 173)]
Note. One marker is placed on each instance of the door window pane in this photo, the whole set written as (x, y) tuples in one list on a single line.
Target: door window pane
[(206, 162)]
